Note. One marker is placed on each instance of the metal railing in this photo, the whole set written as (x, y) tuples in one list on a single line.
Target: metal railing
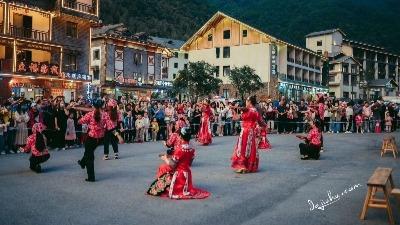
[(30, 33), (80, 6)]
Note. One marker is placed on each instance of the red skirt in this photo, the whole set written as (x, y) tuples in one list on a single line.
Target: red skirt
[(205, 136)]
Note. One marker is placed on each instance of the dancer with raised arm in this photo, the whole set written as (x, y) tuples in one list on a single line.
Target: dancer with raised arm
[(98, 123), (178, 184), (205, 136), (245, 157)]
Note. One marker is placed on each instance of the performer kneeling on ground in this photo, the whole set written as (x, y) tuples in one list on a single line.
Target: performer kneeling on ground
[(36, 144), (312, 146), (98, 123), (178, 184)]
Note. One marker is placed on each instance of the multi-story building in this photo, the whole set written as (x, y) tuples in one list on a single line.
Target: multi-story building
[(179, 60), (44, 47), (380, 69), (285, 69), (126, 64)]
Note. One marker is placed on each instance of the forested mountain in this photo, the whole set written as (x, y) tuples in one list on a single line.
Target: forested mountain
[(373, 21)]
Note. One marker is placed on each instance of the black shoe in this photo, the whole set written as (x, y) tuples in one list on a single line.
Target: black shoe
[(81, 164), (38, 169), (90, 180), (305, 158)]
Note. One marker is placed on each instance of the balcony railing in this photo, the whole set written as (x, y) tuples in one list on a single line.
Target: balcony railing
[(30, 33), (6, 65), (290, 60), (317, 68), (299, 62), (305, 64), (164, 70), (80, 6)]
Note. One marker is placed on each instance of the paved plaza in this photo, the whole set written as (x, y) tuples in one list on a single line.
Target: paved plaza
[(280, 193)]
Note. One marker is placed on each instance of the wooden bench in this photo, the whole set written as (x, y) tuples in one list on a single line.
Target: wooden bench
[(389, 145), (379, 182)]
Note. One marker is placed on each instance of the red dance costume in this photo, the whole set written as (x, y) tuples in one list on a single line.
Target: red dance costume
[(264, 143), (245, 155), (178, 184), (205, 136)]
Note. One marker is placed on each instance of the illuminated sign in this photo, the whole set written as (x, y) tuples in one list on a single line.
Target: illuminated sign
[(77, 76), (274, 60), (38, 68), (163, 83)]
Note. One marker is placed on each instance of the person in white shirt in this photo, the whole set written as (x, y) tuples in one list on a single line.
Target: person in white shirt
[(139, 124), (146, 128), (349, 118)]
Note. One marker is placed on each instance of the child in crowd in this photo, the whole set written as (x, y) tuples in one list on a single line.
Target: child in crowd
[(388, 122), (36, 144), (3, 130), (359, 123), (154, 129), (139, 124), (70, 133), (129, 127), (146, 126)]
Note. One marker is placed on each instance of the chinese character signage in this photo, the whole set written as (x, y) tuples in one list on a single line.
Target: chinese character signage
[(274, 59), (37, 68), (77, 76)]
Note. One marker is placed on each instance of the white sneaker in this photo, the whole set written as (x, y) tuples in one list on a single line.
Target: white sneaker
[(105, 157)]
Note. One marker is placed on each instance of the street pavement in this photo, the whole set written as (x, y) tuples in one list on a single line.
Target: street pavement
[(280, 193)]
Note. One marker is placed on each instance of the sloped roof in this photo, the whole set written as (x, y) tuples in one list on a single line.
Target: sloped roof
[(218, 15), (106, 29), (381, 82), (167, 42), (324, 32), (343, 59)]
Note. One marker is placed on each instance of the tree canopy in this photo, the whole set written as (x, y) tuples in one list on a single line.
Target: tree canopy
[(245, 80)]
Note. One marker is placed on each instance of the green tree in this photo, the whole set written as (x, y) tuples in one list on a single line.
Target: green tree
[(197, 80), (245, 80)]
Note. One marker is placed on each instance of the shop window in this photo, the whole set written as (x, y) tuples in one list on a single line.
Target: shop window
[(226, 71), (227, 34), (72, 29), (217, 52), (70, 63), (226, 93), (227, 52), (96, 54)]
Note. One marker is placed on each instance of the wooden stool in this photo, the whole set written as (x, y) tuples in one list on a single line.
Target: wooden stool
[(396, 192), (378, 182), (389, 145)]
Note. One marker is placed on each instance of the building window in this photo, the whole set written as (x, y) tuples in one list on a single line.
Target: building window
[(244, 33), (319, 43), (175, 65), (217, 51), (345, 69), (186, 56), (210, 36), (226, 71), (174, 76), (227, 34), (346, 79), (175, 54), (346, 94), (227, 52), (217, 71), (70, 63), (185, 66), (225, 93), (96, 73), (96, 54), (319, 52), (138, 58), (72, 29)]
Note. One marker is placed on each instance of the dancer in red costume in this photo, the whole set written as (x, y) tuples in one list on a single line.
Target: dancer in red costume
[(264, 143), (178, 185), (245, 155), (173, 141), (204, 136)]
